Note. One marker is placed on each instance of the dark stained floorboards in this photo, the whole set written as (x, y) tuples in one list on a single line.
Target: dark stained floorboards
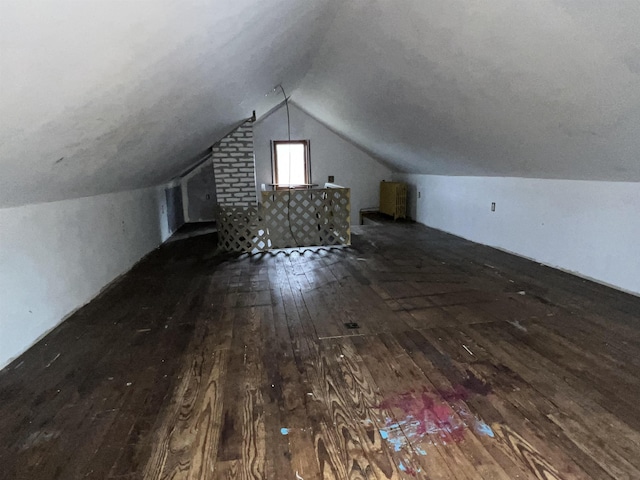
[(468, 363)]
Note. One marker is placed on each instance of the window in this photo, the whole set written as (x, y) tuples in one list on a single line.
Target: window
[(291, 167)]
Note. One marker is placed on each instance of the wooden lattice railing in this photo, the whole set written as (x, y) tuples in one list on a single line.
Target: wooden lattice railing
[(287, 218)]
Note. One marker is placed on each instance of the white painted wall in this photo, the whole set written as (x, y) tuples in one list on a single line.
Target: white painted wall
[(589, 228), (55, 257), (330, 155)]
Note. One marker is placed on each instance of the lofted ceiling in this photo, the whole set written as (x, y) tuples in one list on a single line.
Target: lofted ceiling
[(545, 88), (108, 95), (112, 95)]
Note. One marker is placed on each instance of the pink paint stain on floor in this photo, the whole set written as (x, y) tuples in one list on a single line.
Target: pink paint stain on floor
[(424, 415), (433, 416)]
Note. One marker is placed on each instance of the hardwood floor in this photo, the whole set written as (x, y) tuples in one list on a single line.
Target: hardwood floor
[(467, 363)]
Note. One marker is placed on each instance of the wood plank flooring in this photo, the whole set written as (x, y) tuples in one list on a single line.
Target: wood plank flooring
[(467, 363)]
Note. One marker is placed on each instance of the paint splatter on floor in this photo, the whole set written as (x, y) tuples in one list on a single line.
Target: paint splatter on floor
[(484, 429), (425, 418), (410, 470), (434, 417)]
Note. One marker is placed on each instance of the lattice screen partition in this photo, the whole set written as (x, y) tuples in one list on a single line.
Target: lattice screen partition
[(288, 218), (241, 229)]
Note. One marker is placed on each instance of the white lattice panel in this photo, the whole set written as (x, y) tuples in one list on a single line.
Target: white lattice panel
[(288, 218), (242, 229)]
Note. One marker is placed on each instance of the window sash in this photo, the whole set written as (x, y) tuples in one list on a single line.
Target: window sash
[(282, 179)]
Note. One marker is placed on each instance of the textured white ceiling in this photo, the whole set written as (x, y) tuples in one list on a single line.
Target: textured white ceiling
[(107, 95), (545, 88)]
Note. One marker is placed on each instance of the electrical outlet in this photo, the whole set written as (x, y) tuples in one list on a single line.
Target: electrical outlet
[(493, 206)]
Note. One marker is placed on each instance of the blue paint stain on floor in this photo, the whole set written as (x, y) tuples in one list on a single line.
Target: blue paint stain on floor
[(396, 440), (420, 451), (399, 434), (284, 431), (484, 429), (409, 470)]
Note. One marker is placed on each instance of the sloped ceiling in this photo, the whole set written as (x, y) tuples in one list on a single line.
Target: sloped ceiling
[(106, 95), (545, 88)]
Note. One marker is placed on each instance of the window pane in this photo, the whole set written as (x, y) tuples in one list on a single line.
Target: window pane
[(291, 163)]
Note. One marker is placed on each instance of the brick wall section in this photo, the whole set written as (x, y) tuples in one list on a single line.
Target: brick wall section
[(234, 168)]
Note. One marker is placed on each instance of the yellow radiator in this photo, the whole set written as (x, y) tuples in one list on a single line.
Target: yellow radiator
[(393, 199)]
